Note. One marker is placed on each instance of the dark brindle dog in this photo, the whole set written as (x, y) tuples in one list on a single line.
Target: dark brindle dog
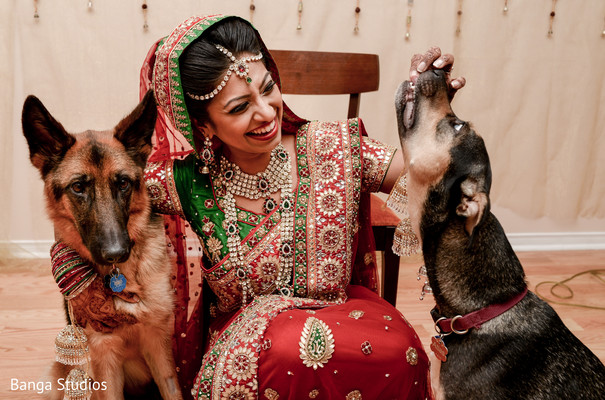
[(98, 202), (506, 342)]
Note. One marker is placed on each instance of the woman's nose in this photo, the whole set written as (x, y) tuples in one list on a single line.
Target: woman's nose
[(265, 111)]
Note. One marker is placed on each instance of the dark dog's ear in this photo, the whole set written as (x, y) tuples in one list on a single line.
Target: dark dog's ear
[(135, 130), (474, 203), (46, 138)]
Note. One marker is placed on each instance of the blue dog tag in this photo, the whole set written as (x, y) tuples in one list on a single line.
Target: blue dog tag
[(117, 282)]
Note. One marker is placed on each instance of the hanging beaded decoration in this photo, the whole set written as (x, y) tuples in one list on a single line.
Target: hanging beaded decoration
[(552, 18), (426, 288), (459, 18), (36, 15), (71, 347), (78, 385), (144, 8), (89, 5), (408, 20), (300, 10), (252, 8), (505, 8), (357, 11)]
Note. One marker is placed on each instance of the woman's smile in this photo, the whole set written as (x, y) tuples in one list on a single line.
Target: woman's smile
[(265, 132)]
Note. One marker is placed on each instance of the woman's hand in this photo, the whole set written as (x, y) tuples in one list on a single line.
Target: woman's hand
[(433, 59)]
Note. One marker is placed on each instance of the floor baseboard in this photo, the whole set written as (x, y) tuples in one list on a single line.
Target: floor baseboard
[(520, 241)]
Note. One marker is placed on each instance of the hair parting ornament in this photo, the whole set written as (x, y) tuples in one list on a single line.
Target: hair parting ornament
[(239, 67)]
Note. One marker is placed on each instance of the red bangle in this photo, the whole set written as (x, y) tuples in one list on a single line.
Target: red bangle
[(71, 272)]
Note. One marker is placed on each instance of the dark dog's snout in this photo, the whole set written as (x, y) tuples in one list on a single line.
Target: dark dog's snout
[(431, 82)]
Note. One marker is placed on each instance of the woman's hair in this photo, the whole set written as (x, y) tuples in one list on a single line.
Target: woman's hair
[(203, 66)]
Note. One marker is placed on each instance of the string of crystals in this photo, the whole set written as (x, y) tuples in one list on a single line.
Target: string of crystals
[(357, 11), (89, 5), (300, 10), (552, 18), (286, 220), (426, 288), (408, 20), (459, 18), (144, 9), (252, 9), (505, 8), (36, 15)]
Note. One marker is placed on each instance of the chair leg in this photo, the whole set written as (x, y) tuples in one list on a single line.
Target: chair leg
[(390, 268)]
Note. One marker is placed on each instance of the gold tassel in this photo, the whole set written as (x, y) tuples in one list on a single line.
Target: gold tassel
[(398, 198), (77, 385), (405, 242), (71, 346)]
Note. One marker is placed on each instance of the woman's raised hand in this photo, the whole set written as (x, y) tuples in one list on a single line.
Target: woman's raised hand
[(433, 59)]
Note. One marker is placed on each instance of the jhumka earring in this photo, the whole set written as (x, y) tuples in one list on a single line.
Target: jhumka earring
[(207, 155), (405, 242)]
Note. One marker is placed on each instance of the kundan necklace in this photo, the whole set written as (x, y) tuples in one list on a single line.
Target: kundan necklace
[(237, 183)]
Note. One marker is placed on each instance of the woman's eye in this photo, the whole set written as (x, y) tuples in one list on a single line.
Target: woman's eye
[(239, 108), (269, 87), (77, 187)]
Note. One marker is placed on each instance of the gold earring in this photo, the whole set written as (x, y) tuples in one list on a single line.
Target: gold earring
[(207, 155)]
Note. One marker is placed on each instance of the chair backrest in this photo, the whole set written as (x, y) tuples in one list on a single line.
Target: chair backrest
[(319, 72)]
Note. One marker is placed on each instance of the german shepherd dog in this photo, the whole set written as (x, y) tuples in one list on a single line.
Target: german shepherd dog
[(496, 339), (98, 202)]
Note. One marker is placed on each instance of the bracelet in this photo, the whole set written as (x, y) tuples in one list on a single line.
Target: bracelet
[(70, 271)]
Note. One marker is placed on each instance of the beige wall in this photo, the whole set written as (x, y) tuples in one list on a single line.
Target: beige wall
[(538, 101)]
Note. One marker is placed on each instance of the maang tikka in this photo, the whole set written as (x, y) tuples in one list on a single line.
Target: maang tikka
[(405, 242)]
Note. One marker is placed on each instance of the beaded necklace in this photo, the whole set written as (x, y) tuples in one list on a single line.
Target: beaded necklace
[(275, 178)]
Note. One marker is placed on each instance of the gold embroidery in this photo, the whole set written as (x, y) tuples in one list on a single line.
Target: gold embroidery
[(241, 364), (354, 395), (313, 393), (330, 203), (155, 190), (356, 314), (331, 238), (316, 343), (238, 392), (331, 269), (411, 356), (271, 394)]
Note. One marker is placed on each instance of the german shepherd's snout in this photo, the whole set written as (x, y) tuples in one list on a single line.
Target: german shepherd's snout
[(502, 341)]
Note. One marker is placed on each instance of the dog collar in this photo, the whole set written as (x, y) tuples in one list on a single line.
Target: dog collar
[(460, 324)]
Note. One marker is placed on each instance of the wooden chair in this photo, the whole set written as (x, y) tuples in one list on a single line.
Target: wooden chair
[(322, 73)]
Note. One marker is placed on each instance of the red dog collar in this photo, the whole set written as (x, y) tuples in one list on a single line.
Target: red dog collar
[(460, 324)]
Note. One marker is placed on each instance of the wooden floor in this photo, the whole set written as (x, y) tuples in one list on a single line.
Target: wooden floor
[(31, 312)]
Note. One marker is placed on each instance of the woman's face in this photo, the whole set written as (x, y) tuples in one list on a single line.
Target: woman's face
[(247, 117)]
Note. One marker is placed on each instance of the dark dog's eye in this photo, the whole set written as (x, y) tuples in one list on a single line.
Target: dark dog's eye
[(77, 187), (124, 184), (458, 126)]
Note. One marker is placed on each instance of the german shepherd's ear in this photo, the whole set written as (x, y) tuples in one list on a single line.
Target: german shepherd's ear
[(135, 131), (47, 139), (474, 203)]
